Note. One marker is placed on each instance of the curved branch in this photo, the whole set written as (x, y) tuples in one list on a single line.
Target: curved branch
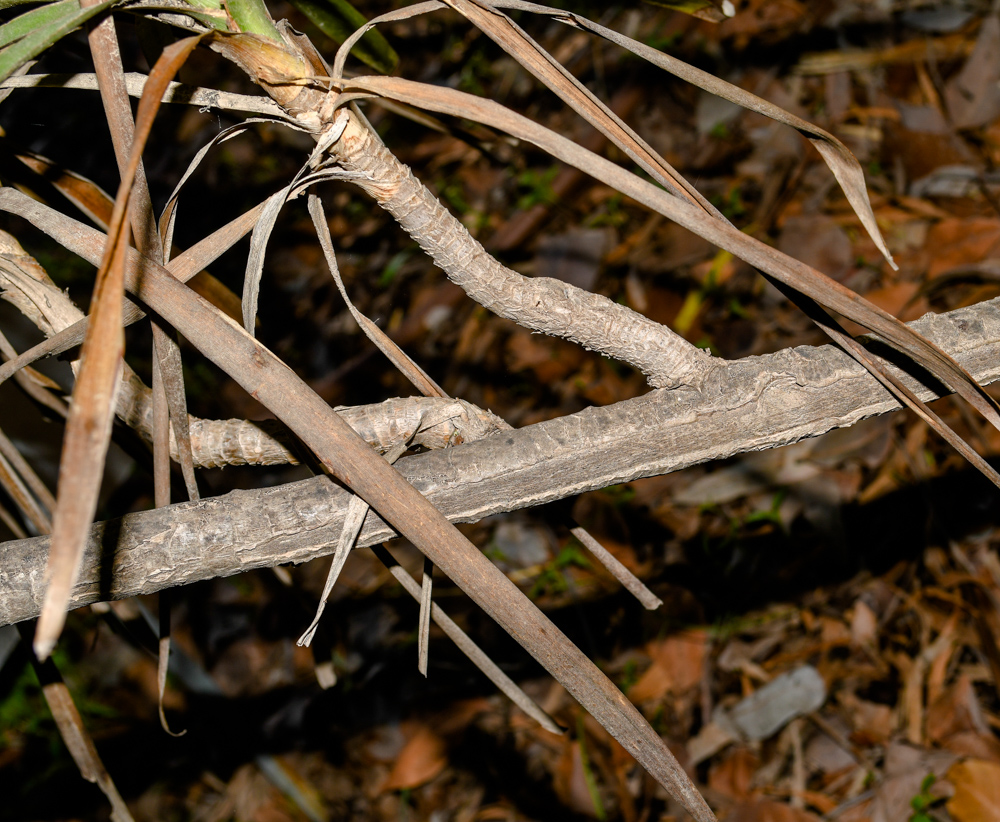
[(539, 303)]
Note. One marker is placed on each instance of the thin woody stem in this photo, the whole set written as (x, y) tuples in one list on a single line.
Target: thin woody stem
[(539, 303), (428, 422)]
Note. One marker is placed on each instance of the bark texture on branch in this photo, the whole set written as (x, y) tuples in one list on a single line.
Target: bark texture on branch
[(753, 404), (429, 422), (539, 303)]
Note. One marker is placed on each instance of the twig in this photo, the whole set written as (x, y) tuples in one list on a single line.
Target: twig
[(503, 682)]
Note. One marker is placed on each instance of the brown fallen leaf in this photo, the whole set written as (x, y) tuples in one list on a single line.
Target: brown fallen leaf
[(678, 662), (570, 779), (973, 95), (900, 299), (767, 810), (959, 241), (955, 711), (734, 775), (423, 757), (977, 791)]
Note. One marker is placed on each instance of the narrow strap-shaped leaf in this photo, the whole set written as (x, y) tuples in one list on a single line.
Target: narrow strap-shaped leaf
[(356, 510), (630, 581), (83, 193), (338, 20), (74, 733), (48, 15), (177, 93), (519, 45), (424, 619), (27, 473), (88, 429), (503, 682), (838, 157), (16, 489), (170, 374), (8, 519), (255, 259), (168, 381), (715, 11), (34, 384), (389, 17), (413, 372), (269, 216), (161, 499), (6, 4), (163, 662), (833, 329), (169, 214)]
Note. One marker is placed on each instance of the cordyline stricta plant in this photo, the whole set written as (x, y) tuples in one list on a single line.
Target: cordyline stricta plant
[(704, 407)]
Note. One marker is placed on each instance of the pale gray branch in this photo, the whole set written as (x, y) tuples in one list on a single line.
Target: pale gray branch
[(753, 404), (539, 303), (428, 422)]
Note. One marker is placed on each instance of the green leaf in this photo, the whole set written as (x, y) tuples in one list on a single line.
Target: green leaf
[(338, 20), (24, 46), (215, 18), (47, 15), (714, 11), (6, 4), (253, 17)]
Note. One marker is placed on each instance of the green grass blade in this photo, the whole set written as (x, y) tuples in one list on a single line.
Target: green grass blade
[(338, 20), (6, 4), (44, 16), (32, 44)]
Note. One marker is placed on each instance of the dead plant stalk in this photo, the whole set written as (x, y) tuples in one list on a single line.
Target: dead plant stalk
[(540, 303)]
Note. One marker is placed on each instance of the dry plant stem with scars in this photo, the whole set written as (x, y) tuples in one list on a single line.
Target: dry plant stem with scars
[(288, 72), (539, 303), (427, 422), (758, 403)]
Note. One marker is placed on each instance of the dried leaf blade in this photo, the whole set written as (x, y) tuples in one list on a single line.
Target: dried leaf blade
[(88, 429)]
